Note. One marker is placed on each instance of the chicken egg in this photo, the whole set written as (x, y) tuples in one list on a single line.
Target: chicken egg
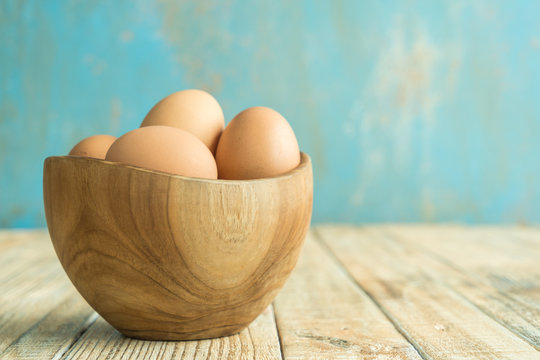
[(257, 143), (164, 148), (195, 111), (94, 146)]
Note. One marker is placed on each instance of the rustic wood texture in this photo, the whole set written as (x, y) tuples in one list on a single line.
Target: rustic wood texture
[(323, 313), (166, 257), (415, 289), (499, 281), (258, 341), (373, 292), (43, 317)]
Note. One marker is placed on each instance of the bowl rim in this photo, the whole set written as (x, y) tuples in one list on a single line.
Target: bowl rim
[(305, 161)]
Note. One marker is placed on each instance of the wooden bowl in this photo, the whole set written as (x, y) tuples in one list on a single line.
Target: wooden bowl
[(168, 257)]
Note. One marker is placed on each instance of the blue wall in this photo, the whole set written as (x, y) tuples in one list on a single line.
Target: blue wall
[(411, 110)]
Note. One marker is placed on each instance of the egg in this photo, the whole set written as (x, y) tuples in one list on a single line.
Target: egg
[(94, 146), (164, 148), (195, 111), (257, 143)]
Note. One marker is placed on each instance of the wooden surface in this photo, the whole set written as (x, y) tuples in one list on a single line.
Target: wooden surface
[(373, 292), (164, 257)]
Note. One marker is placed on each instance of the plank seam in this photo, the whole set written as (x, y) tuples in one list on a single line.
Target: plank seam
[(89, 321), (253, 342), (278, 333), (18, 339), (392, 234), (521, 337), (395, 323)]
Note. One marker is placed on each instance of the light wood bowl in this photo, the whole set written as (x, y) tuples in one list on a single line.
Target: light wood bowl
[(167, 257)]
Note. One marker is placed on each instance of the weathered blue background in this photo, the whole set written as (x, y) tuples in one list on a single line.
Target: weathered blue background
[(411, 110)]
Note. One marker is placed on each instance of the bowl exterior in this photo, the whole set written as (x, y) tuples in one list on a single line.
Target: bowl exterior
[(165, 257)]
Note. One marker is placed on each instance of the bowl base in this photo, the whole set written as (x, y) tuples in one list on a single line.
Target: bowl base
[(156, 335)]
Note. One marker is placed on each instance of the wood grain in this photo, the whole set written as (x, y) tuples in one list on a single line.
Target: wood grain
[(168, 257), (322, 314), (33, 286), (50, 320), (451, 292), (495, 269), (408, 287), (52, 335), (258, 341)]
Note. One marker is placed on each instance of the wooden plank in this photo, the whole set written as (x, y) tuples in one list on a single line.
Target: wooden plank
[(43, 317), (34, 290), (441, 286), (19, 313), (258, 341), (408, 286), (506, 246), (495, 268), (52, 335), (24, 271), (17, 238), (24, 249), (322, 314)]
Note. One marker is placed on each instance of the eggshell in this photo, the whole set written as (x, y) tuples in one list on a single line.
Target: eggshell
[(257, 143), (195, 111), (94, 146), (166, 149)]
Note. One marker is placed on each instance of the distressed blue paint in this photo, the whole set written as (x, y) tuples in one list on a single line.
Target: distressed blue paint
[(412, 111)]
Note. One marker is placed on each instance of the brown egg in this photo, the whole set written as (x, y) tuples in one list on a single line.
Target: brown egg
[(195, 111), (164, 148), (94, 146), (257, 143)]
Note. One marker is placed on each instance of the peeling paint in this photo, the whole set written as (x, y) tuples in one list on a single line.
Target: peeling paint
[(411, 111)]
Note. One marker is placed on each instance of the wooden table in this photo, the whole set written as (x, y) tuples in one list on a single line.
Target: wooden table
[(373, 292)]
